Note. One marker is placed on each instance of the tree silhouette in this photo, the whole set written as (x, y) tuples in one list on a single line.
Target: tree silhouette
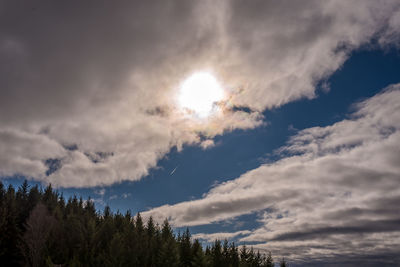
[(269, 261), (38, 227)]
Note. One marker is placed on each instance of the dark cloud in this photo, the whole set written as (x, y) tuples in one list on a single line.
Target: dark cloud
[(62, 57), (361, 227)]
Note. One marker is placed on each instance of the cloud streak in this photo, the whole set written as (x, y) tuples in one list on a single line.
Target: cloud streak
[(219, 236)]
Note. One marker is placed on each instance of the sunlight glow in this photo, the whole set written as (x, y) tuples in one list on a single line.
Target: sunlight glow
[(200, 93)]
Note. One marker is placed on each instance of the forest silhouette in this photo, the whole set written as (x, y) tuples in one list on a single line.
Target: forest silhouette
[(38, 227)]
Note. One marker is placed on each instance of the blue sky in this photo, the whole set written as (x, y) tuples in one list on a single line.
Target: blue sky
[(304, 145)]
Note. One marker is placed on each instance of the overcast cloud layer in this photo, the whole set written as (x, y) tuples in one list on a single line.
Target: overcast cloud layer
[(337, 192), (88, 88)]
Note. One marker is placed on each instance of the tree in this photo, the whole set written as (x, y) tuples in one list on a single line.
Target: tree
[(141, 241), (38, 227), (10, 232), (168, 255), (252, 261), (244, 256), (198, 255), (259, 259), (22, 202), (216, 253), (152, 244), (34, 197), (269, 261), (225, 253), (185, 249), (233, 255)]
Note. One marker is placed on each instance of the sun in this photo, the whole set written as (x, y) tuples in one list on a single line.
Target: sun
[(199, 94)]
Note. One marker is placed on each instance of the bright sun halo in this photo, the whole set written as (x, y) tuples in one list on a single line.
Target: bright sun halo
[(199, 93)]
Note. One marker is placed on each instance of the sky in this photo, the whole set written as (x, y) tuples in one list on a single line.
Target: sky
[(298, 153)]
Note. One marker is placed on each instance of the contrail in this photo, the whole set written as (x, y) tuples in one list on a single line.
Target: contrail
[(173, 171)]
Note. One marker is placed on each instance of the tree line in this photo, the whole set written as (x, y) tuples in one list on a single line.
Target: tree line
[(38, 227)]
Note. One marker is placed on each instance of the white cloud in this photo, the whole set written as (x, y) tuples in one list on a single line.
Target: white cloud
[(219, 236), (100, 192), (113, 197), (23, 153), (207, 144), (108, 90), (336, 192), (126, 195)]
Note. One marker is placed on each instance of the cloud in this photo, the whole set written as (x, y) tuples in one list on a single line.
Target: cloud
[(219, 236), (102, 78), (113, 197), (22, 152), (334, 192), (126, 195), (207, 144), (100, 192)]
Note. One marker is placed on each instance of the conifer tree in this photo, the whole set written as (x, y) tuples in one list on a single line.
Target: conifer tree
[(199, 259), (11, 234), (225, 253), (244, 256), (269, 260), (216, 252), (185, 249), (233, 255), (168, 255)]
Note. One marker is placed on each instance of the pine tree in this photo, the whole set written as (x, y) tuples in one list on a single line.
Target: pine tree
[(244, 256), (185, 249), (198, 255), (141, 241), (168, 255), (269, 261), (152, 244), (252, 261), (216, 253), (10, 233), (225, 254), (233, 255), (208, 256), (259, 259), (22, 203)]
